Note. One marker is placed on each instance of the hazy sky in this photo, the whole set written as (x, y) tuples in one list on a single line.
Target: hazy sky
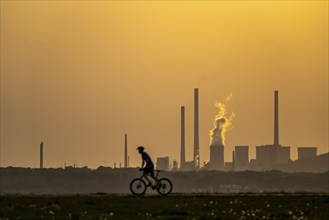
[(78, 75)]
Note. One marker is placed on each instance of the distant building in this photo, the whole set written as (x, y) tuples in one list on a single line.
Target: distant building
[(305, 152), (283, 154), (163, 163), (253, 164), (241, 158), (263, 158), (187, 166), (268, 156), (216, 157), (229, 166), (316, 164)]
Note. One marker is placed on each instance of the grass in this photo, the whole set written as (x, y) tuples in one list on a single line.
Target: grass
[(103, 206)]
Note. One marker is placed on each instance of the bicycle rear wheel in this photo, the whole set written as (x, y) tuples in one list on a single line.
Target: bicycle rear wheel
[(137, 186), (164, 186)]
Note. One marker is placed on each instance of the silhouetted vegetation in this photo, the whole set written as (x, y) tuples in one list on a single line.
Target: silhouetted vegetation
[(280, 206)]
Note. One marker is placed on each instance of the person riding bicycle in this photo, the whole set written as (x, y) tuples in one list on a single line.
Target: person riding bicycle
[(149, 166)]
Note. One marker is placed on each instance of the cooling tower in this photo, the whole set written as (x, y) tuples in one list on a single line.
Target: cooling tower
[(217, 157)]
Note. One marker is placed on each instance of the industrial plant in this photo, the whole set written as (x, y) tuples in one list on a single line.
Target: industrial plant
[(268, 157)]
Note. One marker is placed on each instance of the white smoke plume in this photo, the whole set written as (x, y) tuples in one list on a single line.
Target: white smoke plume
[(222, 123)]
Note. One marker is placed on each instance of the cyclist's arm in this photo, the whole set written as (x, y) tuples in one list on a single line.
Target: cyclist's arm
[(143, 163)]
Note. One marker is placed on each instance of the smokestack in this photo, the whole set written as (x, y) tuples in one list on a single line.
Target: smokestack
[(126, 152), (182, 143), (276, 118), (196, 155), (233, 161), (41, 155)]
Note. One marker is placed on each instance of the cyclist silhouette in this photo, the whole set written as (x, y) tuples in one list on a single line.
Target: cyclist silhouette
[(149, 166)]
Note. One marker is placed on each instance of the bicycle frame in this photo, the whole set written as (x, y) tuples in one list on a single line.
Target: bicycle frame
[(155, 177)]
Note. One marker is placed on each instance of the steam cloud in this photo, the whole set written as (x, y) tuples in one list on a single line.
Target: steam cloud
[(222, 123)]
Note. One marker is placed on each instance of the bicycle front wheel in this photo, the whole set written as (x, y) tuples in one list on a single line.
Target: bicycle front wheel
[(164, 186), (137, 186)]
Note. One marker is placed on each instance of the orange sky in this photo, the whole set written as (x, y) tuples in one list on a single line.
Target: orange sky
[(78, 75)]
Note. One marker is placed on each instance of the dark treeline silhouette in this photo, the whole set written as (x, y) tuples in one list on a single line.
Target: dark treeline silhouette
[(108, 180)]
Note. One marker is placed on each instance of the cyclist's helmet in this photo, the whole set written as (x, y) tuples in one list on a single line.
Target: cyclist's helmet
[(140, 148)]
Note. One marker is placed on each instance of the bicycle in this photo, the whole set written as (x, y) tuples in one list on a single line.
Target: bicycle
[(163, 185)]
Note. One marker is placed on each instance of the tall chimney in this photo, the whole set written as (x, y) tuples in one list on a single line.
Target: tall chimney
[(196, 155), (233, 161), (41, 155), (126, 152), (182, 143), (276, 118)]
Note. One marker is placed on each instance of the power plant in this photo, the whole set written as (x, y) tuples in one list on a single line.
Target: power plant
[(267, 156)]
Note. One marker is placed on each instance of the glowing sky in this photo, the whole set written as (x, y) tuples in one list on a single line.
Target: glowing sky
[(78, 75)]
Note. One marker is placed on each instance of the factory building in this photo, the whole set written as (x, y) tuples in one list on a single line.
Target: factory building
[(187, 166), (162, 163), (283, 154), (229, 166), (241, 160), (263, 157), (268, 156), (306, 152)]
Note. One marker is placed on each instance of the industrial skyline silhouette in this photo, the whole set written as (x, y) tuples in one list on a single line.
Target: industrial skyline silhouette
[(268, 157)]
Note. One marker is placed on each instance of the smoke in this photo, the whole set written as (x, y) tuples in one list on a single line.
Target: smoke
[(222, 123)]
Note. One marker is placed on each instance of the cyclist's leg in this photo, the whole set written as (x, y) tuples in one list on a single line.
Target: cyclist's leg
[(145, 175), (151, 171)]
